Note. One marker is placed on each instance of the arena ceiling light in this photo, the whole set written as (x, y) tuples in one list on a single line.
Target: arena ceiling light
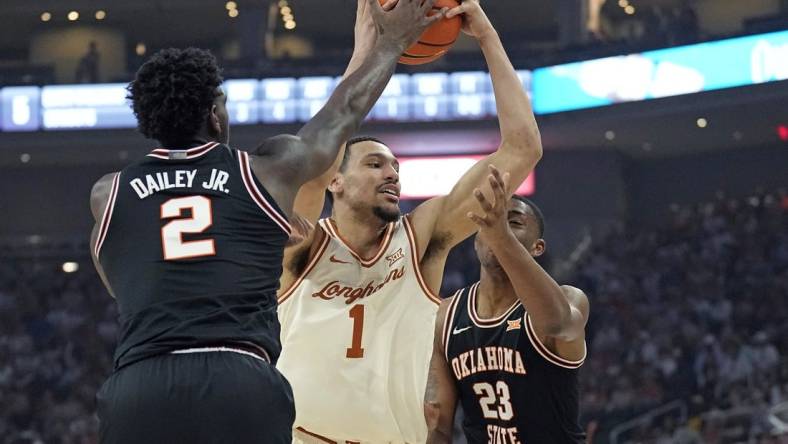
[(232, 9), (73, 16), (70, 267), (101, 14), (46, 16), (288, 16)]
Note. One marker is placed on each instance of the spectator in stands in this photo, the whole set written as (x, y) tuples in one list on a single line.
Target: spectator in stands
[(88, 66), (694, 311)]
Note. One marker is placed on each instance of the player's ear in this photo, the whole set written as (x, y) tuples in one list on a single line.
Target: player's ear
[(214, 121), (337, 183), (538, 248)]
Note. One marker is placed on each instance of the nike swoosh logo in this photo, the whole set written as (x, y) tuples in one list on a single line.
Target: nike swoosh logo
[(460, 330), (338, 261)]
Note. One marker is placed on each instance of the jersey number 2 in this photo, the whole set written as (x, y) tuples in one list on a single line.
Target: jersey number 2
[(172, 243), (488, 400)]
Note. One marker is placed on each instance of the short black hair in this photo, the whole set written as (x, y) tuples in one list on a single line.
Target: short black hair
[(537, 213), (352, 142), (173, 92)]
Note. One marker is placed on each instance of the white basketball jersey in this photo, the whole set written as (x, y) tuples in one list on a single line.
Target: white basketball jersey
[(357, 339)]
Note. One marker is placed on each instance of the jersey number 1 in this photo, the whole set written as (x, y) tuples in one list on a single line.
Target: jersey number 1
[(172, 243), (357, 314)]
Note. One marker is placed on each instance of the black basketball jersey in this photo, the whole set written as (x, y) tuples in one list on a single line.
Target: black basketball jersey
[(192, 244), (511, 387)]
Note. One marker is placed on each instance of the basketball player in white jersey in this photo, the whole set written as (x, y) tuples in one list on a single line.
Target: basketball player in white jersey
[(358, 294)]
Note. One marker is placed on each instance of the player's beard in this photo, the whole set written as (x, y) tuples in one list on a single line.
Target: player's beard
[(386, 215)]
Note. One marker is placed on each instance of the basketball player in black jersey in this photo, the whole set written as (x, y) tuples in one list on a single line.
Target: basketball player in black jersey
[(508, 347), (189, 240)]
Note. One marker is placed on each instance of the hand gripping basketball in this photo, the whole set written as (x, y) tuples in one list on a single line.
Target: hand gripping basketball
[(436, 40)]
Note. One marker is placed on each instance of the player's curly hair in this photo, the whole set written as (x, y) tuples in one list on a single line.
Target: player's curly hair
[(173, 92)]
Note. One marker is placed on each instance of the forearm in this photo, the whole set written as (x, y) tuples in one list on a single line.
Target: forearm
[(311, 196), (538, 291), (348, 105), (439, 437), (360, 54), (515, 114)]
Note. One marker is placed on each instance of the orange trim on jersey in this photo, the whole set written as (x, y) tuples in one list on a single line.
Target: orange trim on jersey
[(366, 263), (448, 321), (414, 250), (257, 196), (312, 263), (191, 153), (546, 353), (315, 435), (323, 438), (107, 216), (486, 323)]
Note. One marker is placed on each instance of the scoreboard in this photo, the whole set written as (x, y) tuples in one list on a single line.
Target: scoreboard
[(406, 98), (434, 96)]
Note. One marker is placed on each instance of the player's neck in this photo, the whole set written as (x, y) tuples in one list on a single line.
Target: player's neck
[(363, 235), (495, 293)]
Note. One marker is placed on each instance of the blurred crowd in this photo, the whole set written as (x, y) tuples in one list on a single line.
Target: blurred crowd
[(693, 312)]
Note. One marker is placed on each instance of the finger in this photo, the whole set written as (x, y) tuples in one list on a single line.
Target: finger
[(437, 16), (506, 179), (499, 177), (483, 202), (455, 11), (497, 188), (478, 220), (389, 5), (496, 181), (427, 5), (496, 173)]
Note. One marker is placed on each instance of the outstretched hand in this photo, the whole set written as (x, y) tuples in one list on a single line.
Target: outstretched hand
[(364, 30), (494, 220), (474, 21), (404, 23)]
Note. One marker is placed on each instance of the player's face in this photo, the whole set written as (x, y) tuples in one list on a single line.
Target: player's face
[(219, 120), (370, 181), (524, 226)]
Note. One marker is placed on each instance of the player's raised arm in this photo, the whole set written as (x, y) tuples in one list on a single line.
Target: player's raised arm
[(284, 163), (440, 397), (311, 197), (519, 151), (559, 312)]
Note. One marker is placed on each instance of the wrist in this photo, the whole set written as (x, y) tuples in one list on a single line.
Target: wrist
[(488, 35), (388, 46), (501, 238)]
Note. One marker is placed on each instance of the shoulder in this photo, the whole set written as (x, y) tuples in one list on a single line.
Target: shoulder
[(100, 193)]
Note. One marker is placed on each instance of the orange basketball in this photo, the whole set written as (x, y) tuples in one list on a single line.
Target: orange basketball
[(436, 40)]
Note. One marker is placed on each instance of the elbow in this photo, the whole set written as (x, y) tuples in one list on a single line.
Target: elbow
[(552, 329), (526, 142), (556, 325), (432, 415)]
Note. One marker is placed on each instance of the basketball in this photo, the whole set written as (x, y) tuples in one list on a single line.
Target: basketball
[(436, 40)]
